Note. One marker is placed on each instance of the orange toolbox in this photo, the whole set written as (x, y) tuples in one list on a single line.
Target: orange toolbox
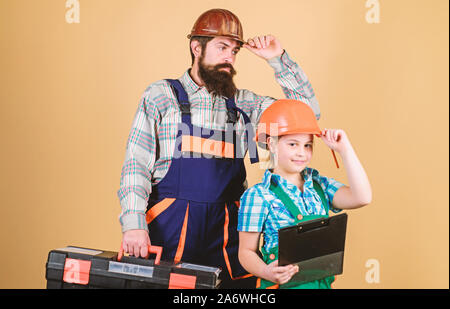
[(77, 267)]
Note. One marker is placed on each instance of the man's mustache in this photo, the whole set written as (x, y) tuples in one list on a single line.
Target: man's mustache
[(224, 66)]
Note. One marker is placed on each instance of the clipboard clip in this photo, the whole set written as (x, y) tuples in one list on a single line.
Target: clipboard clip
[(312, 225)]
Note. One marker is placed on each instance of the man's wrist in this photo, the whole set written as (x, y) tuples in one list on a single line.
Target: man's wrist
[(281, 62), (276, 57), (135, 221)]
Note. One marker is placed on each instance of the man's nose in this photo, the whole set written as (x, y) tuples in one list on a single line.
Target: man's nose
[(228, 60), (229, 57)]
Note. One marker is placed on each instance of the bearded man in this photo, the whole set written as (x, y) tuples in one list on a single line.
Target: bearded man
[(183, 175)]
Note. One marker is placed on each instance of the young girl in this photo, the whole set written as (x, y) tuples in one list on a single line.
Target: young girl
[(262, 211)]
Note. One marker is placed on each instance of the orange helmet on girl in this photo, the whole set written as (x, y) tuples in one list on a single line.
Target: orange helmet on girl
[(285, 117)]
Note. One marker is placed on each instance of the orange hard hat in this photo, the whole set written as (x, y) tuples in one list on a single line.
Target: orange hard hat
[(285, 117), (218, 22)]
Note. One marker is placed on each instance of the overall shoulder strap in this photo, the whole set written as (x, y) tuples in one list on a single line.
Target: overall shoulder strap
[(285, 199), (183, 100), (250, 134), (231, 110), (319, 191)]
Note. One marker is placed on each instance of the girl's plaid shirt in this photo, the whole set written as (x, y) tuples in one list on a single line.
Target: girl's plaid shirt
[(261, 211)]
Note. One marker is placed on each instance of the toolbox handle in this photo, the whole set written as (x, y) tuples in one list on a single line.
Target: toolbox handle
[(151, 249)]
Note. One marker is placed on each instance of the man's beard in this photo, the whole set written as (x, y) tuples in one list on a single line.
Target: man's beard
[(218, 81)]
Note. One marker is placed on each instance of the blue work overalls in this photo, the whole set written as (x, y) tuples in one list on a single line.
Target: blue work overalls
[(192, 212)]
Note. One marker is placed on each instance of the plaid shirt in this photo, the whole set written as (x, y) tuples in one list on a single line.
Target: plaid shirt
[(153, 134), (261, 211)]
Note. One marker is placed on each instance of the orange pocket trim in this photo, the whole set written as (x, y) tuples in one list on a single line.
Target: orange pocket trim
[(224, 248), (157, 209), (207, 146), (225, 242), (181, 242)]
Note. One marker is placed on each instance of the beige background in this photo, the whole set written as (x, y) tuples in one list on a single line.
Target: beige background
[(69, 92)]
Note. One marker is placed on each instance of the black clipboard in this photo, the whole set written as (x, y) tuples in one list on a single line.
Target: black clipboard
[(316, 246)]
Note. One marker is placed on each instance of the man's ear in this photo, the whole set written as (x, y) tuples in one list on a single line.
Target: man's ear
[(196, 48)]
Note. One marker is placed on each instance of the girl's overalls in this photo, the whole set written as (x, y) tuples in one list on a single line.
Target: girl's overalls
[(192, 212), (272, 255)]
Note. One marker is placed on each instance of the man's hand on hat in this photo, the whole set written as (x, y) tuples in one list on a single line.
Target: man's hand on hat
[(265, 46)]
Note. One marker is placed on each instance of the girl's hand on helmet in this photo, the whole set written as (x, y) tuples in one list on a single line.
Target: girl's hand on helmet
[(335, 139)]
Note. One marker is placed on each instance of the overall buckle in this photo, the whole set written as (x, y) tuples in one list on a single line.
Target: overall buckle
[(185, 109)]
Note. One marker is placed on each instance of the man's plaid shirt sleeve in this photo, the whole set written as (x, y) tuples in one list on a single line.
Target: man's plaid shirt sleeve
[(135, 181)]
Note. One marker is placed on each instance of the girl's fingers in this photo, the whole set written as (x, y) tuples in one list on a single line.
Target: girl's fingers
[(337, 134), (285, 269)]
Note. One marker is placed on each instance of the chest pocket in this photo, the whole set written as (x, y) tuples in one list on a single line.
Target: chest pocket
[(290, 205)]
